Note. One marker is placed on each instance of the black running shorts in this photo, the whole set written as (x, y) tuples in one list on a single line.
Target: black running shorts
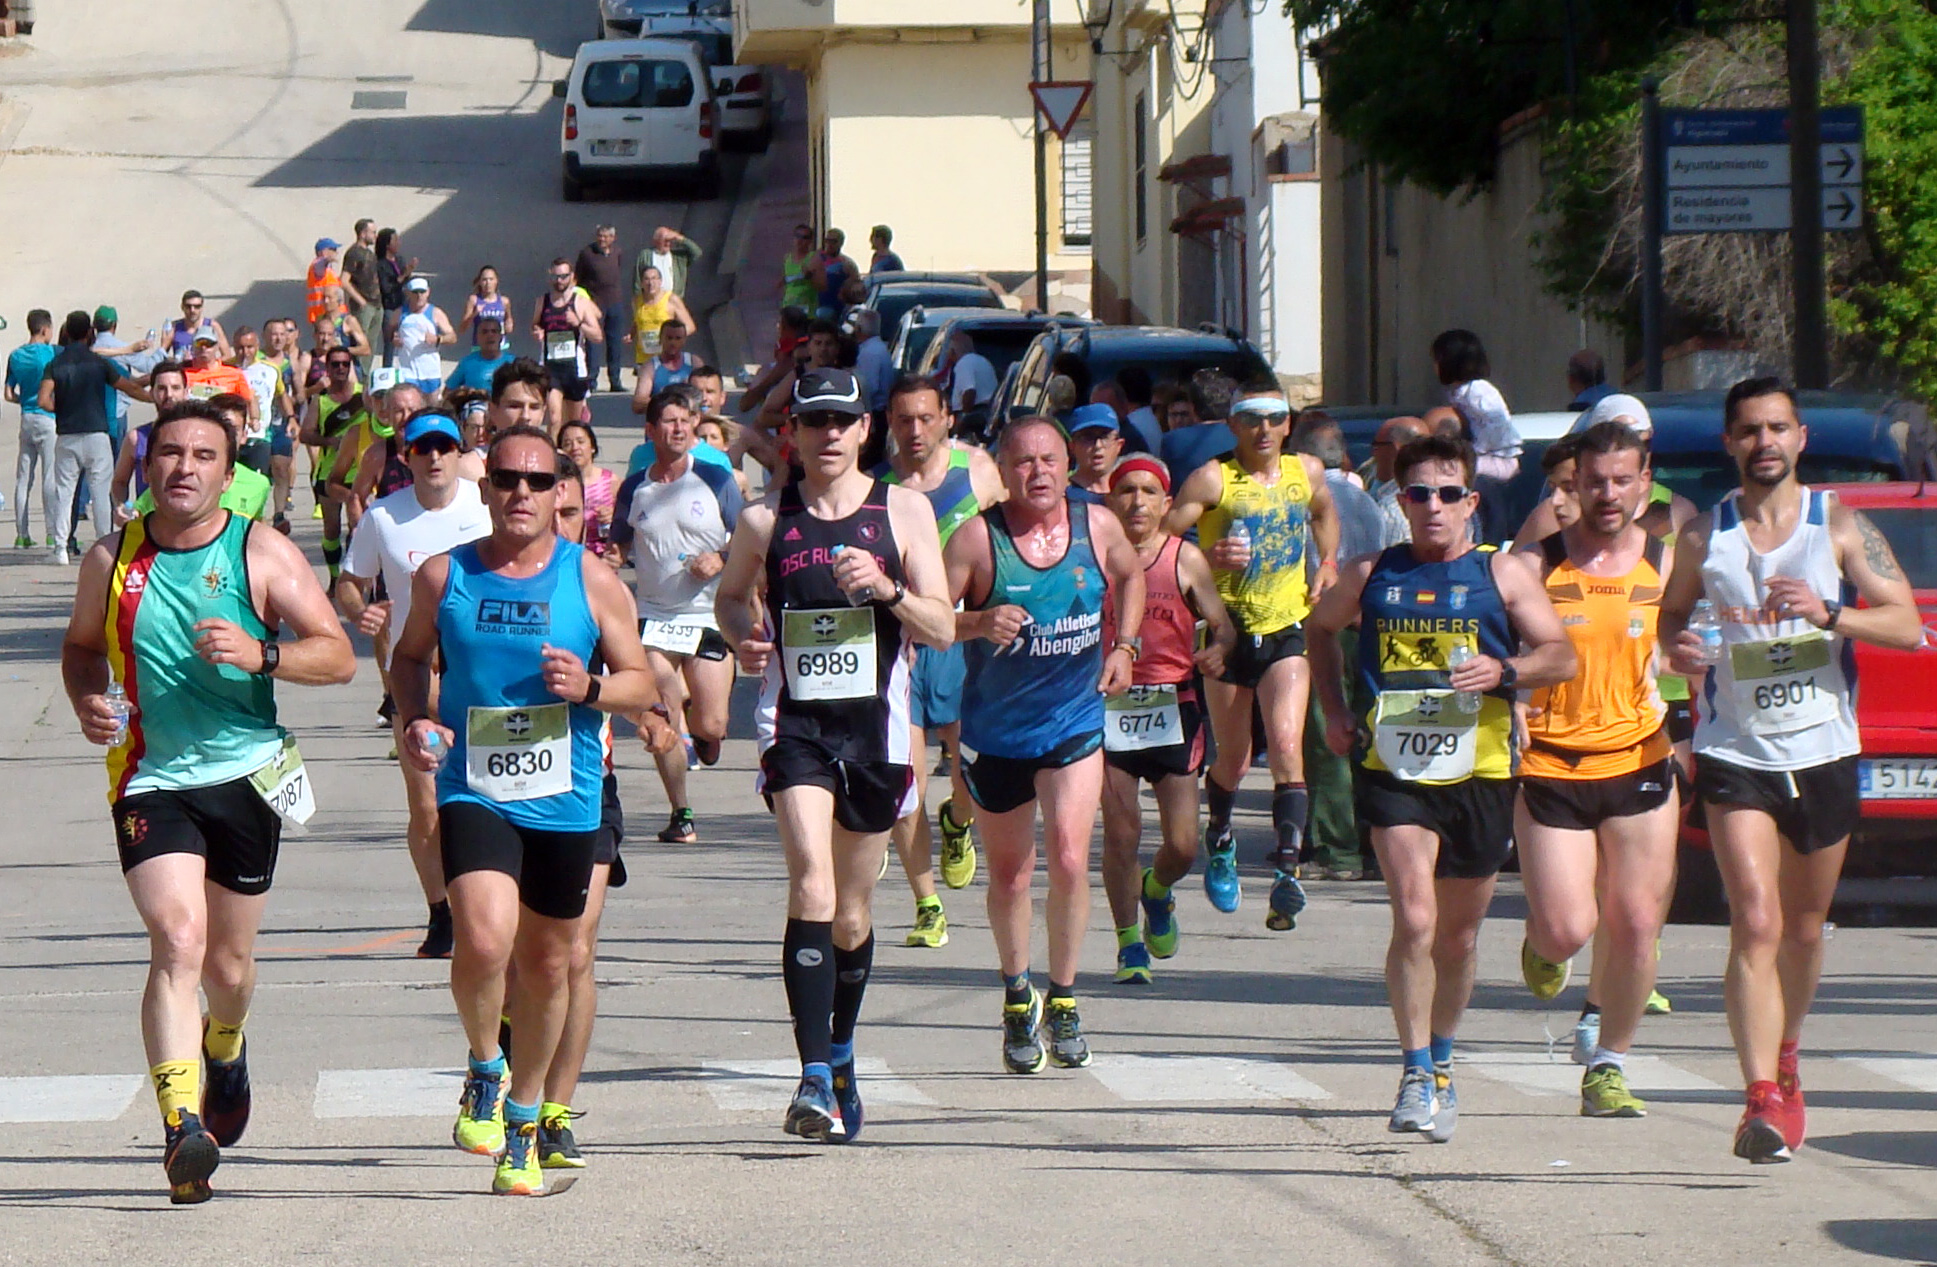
[(1584, 804), (553, 868), (1255, 653), (1000, 784), (1814, 808), (1472, 818), (868, 795), (611, 833), (1186, 757), (229, 826)]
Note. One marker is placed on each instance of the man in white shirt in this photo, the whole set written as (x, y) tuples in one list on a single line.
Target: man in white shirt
[(971, 378), (439, 511), (264, 382)]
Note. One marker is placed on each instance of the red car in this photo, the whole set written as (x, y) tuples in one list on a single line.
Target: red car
[(1896, 712)]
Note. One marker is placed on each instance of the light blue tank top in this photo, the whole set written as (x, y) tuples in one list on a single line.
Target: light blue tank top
[(492, 630), (1029, 698)]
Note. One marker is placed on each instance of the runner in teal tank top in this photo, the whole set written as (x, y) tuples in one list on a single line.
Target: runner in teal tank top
[(167, 662)]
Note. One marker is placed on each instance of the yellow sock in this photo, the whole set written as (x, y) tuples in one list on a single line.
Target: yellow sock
[(222, 1041), (178, 1087)]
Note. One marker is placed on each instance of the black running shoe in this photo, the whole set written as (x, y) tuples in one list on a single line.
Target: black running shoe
[(225, 1097), (190, 1155), (557, 1148), (439, 936), (386, 711), (680, 829), (707, 750)]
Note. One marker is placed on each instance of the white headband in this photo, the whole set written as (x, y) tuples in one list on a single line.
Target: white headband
[(1269, 405)]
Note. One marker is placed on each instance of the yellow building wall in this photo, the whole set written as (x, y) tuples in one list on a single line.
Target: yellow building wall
[(935, 139)]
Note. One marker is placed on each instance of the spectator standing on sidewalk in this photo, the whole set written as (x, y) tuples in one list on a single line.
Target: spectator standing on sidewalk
[(831, 270), (673, 254), (135, 360), (25, 368), (360, 275), (393, 270), (883, 260), (601, 271), (797, 274), (74, 388), (874, 365), (325, 272)]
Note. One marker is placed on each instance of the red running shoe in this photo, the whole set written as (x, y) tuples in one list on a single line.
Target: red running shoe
[(1789, 1082), (1759, 1138)]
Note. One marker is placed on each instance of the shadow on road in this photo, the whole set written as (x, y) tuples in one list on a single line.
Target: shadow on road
[(1907, 1240)]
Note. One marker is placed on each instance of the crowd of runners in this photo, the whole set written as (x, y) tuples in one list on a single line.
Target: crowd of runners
[(1066, 616)]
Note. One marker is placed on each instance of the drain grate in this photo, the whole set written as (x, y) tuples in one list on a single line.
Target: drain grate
[(368, 100)]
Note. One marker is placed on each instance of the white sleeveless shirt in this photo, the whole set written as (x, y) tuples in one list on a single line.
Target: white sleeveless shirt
[(1783, 695)]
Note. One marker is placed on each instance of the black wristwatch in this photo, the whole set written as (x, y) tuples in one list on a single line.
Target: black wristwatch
[(901, 592), (1509, 676), (591, 690), (271, 657), (1833, 612)]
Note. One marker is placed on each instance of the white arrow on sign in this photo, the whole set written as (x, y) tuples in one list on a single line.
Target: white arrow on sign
[(1059, 101)]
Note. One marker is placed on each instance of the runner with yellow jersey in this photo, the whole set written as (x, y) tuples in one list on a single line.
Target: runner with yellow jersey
[(1257, 514), (1598, 807)]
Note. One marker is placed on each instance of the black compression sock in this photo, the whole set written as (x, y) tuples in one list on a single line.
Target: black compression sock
[(1220, 798), (1592, 1009), (807, 969), (1062, 991), (851, 968), (1290, 807)]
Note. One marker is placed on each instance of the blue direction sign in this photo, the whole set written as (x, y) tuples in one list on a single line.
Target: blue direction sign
[(1727, 171)]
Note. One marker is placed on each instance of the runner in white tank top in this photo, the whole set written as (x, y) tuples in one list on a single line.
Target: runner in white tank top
[(1776, 734)]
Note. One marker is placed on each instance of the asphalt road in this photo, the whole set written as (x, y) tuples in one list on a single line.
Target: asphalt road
[(1236, 1110)]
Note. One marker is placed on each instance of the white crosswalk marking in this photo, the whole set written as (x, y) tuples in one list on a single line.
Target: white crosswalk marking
[(767, 1085), (69, 1098), (388, 1092), (1919, 1073), (1195, 1079), (1537, 1073)]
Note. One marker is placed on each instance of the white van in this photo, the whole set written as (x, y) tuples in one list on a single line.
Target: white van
[(638, 108)]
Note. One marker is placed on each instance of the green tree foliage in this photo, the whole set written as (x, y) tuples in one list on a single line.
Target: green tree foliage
[(1423, 85)]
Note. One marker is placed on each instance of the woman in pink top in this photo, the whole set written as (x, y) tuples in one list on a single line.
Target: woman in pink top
[(576, 441)]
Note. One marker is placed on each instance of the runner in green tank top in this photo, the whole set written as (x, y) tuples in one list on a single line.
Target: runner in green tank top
[(180, 610)]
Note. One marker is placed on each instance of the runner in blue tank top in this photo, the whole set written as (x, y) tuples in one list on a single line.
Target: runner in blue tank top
[(958, 481), (516, 619), (1435, 750), (1033, 573)]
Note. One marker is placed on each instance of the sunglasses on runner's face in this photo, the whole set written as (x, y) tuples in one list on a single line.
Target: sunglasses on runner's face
[(339, 366), (507, 481), (439, 444), (1420, 494)]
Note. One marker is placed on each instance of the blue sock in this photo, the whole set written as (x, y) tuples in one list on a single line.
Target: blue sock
[(492, 1068), (843, 1054), (516, 1114), (1420, 1058), (1442, 1050), (818, 1072)]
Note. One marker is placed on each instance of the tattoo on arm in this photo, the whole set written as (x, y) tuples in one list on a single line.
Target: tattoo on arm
[(1876, 550)]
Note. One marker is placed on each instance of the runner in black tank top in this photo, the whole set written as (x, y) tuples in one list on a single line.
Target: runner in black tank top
[(845, 573)]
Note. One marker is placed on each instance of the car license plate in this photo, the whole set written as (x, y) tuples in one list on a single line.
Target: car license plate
[(614, 149), (1897, 778)]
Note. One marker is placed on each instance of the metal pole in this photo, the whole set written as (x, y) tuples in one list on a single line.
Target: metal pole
[(1652, 196), (1040, 68), (1811, 353)]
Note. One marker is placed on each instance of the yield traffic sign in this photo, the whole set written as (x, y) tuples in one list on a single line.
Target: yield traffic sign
[(1059, 101)]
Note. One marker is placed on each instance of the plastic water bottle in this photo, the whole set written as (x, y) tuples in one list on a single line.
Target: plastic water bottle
[(122, 708), (1706, 622), (1465, 701), (1239, 535), (435, 746), (858, 598)]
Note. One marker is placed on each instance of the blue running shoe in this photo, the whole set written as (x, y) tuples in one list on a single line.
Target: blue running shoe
[(1133, 964), (814, 1114), (1221, 874), (847, 1094), (1159, 920), (1287, 900)]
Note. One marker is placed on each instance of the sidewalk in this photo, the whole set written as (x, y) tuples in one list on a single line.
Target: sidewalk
[(784, 201)]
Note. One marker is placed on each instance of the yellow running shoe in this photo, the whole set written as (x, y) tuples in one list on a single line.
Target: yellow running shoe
[(1658, 1004), (931, 926), (1545, 978), (480, 1115), (519, 1172), (958, 847), (1604, 1093)]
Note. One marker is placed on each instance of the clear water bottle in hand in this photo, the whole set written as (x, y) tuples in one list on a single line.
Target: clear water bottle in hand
[(1239, 535), (1706, 623), (435, 747), (1465, 701), (856, 598), (123, 708)]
